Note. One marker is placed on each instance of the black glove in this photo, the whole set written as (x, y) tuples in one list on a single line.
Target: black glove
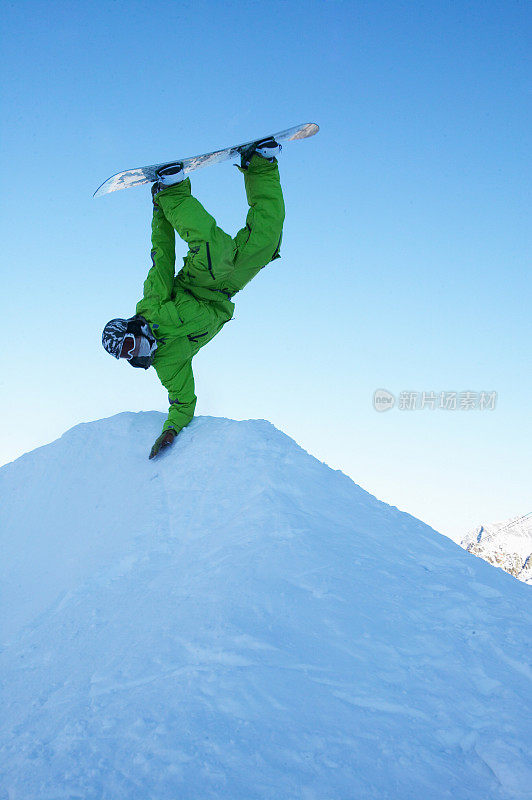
[(164, 440)]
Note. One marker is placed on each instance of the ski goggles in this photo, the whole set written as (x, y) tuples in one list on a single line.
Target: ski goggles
[(144, 352), (128, 346)]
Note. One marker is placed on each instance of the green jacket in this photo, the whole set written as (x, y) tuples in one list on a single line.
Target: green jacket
[(186, 311)]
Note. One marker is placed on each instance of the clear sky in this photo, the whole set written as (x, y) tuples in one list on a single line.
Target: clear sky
[(406, 255)]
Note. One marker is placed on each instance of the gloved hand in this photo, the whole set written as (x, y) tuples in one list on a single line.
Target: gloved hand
[(164, 440)]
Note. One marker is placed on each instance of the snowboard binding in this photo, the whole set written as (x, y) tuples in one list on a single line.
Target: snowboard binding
[(171, 174), (167, 175), (267, 148)]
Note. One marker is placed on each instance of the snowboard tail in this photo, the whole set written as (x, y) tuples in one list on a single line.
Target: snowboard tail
[(140, 175)]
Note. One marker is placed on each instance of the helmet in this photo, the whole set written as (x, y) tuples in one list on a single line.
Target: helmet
[(113, 336), (115, 331)]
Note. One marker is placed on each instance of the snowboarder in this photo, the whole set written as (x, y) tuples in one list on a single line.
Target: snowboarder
[(179, 314)]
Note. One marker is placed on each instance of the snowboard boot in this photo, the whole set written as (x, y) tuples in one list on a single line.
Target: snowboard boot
[(168, 175), (266, 148)]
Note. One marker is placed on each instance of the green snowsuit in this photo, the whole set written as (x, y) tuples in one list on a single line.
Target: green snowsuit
[(186, 311)]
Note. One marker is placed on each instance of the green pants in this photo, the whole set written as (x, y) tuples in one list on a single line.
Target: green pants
[(215, 261)]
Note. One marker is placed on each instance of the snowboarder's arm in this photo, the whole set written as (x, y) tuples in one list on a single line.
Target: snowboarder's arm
[(159, 283), (180, 385), (181, 396)]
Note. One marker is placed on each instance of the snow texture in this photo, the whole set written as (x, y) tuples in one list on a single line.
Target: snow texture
[(237, 621)]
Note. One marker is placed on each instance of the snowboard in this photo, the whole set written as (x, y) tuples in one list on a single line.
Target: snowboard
[(140, 175)]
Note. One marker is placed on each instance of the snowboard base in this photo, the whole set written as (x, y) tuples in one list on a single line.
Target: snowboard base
[(140, 175)]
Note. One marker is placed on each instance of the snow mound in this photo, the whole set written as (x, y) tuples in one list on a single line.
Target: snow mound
[(235, 620)]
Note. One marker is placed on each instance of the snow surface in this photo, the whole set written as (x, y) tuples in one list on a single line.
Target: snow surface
[(235, 620)]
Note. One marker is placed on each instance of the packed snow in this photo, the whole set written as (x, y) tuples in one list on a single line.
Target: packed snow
[(237, 621), (507, 545)]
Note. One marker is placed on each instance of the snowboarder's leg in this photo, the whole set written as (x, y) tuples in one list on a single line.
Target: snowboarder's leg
[(259, 242), (211, 250)]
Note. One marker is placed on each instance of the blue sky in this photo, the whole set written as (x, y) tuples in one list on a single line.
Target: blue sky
[(406, 254)]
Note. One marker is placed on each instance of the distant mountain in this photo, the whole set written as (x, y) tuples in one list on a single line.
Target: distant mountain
[(237, 621), (507, 545)]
